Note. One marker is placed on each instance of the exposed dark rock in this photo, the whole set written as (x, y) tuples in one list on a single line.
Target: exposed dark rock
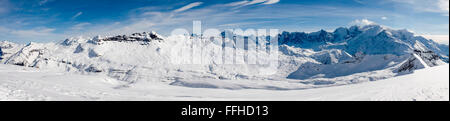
[(409, 65), (1, 53), (93, 69), (429, 57), (144, 37), (79, 49)]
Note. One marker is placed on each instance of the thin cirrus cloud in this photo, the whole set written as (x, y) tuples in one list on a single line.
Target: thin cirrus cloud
[(271, 2), (35, 32), (253, 2), (237, 3), (77, 15), (42, 2), (187, 7), (435, 6), (80, 26), (27, 35), (442, 39)]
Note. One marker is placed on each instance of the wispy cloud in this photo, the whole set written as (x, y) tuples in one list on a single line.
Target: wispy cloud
[(234, 14), (189, 6), (362, 22), (255, 2), (27, 35), (238, 3), (442, 39), (42, 2), (80, 26), (268, 2), (252, 2), (444, 6), (240, 24), (436, 6), (33, 32), (359, 1), (77, 15)]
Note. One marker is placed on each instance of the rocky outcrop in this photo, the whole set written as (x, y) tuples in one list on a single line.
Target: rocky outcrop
[(410, 65), (140, 37), (429, 57), (1, 53), (420, 59)]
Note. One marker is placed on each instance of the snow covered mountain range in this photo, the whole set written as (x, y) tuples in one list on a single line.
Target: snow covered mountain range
[(307, 60)]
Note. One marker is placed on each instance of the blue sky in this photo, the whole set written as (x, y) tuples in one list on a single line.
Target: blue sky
[(53, 20)]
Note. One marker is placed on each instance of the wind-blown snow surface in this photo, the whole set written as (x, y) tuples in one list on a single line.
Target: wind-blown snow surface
[(22, 83)]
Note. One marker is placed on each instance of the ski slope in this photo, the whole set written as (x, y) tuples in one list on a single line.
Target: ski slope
[(22, 83)]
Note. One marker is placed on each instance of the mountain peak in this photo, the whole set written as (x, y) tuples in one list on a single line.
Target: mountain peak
[(144, 36), (134, 37), (371, 39)]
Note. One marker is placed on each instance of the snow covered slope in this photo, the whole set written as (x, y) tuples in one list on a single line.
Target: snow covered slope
[(22, 83), (370, 39), (306, 60), (7, 49)]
